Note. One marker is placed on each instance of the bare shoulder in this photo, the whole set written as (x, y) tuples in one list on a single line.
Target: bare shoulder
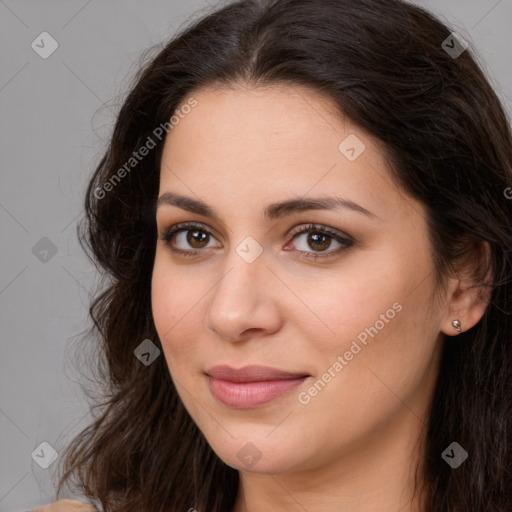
[(65, 506)]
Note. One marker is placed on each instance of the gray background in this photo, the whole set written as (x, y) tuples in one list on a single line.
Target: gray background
[(56, 115)]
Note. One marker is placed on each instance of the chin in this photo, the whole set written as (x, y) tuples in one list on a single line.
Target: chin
[(260, 453)]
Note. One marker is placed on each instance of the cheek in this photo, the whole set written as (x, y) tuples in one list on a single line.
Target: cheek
[(164, 303), (379, 323), (385, 293), (348, 304), (173, 304)]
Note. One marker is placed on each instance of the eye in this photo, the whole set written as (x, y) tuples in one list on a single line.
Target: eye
[(194, 237), (319, 238), (191, 237)]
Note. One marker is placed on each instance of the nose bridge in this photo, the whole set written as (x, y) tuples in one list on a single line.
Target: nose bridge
[(245, 266), (241, 300)]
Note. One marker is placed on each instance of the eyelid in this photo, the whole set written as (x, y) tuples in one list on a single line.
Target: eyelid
[(169, 233), (312, 226), (340, 237), (184, 226)]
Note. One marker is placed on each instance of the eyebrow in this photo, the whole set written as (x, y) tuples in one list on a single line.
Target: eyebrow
[(273, 211)]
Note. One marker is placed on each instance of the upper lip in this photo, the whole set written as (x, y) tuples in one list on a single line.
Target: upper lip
[(251, 373)]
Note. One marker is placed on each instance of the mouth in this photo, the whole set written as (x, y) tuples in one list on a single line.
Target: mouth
[(251, 386)]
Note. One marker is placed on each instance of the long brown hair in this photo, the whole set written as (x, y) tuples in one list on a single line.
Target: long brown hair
[(450, 145)]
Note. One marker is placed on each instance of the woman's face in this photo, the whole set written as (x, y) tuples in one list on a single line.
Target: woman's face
[(350, 340)]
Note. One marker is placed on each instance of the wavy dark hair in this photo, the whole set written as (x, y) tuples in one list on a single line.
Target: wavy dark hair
[(448, 141)]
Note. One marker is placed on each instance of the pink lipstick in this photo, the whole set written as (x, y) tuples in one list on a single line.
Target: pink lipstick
[(251, 386)]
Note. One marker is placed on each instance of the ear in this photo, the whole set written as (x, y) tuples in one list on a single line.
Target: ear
[(468, 291)]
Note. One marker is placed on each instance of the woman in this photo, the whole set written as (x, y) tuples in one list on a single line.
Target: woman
[(305, 216)]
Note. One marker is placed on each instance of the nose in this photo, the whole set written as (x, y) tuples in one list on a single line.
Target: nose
[(244, 303)]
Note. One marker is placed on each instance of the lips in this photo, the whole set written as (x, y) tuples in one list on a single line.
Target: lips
[(251, 386)]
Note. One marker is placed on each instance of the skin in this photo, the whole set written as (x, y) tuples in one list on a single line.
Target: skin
[(66, 506), (354, 445)]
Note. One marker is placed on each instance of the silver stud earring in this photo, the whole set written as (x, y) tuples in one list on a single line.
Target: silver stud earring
[(457, 325)]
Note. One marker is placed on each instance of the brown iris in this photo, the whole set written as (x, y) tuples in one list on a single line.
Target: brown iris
[(319, 241), (196, 238)]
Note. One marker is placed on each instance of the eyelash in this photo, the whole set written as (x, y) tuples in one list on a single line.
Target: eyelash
[(309, 228)]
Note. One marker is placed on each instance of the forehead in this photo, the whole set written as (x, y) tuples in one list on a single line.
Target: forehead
[(263, 142), (280, 114)]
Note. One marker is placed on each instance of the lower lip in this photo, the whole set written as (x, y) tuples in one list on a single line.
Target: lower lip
[(251, 394)]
